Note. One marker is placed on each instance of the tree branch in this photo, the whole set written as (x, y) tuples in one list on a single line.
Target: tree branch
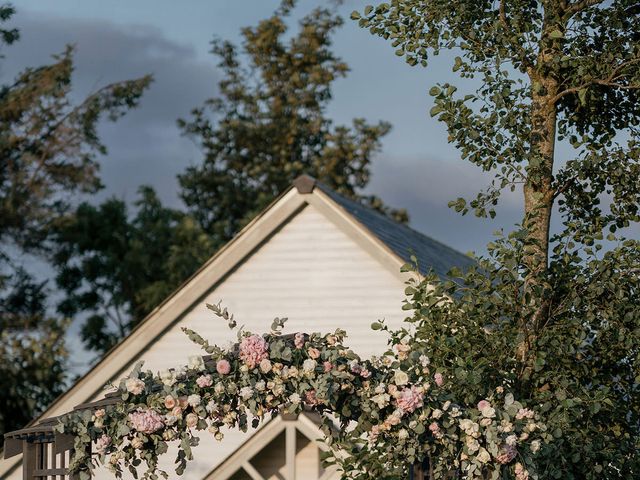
[(582, 5), (610, 81)]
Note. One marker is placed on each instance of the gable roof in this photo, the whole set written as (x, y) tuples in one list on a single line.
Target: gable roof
[(387, 241), (401, 239)]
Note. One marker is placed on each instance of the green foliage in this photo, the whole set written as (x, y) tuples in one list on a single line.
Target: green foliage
[(553, 315), (116, 267), (48, 148), (268, 125), (33, 357)]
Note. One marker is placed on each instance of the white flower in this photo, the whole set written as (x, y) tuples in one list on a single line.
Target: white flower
[(294, 398), (134, 385), (265, 365), (403, 435), (488, 412), (446, 405), (194, 400), (168, 377), (196, 362), (535, 446), (511, 440), (219, 388), (455, 412), (309, 365), (483, 456), (472, 445), (381, 400), (170, 419), (211, 407), (437, 413), (246, 393), (381, 388), (424, 360), (260, 386), (400, 378)]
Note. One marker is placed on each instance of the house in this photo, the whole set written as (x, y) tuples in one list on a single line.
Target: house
[(314, 256)]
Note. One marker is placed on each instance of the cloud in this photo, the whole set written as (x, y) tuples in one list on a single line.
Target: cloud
[(425, 185), (145, 147)]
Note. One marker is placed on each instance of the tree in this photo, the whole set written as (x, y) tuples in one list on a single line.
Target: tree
[(268, 125), (117, 267), (552, 314), (48, 148)]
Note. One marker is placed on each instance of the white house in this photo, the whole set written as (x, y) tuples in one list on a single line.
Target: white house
[(323, 261)]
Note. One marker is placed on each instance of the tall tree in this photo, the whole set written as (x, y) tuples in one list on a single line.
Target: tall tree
[(268, 124), (553, 315), (48, 148), (116, 267)]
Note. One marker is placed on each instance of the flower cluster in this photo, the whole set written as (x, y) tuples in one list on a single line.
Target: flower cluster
[(397, 404)]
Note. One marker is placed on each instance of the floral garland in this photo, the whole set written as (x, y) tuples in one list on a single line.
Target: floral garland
[(398, 410)]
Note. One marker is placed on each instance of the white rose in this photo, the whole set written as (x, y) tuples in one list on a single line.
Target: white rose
[(246, 393), (265, 365), (134, 385), (194, 400), (309, 365), (535, 446), (400, 378), (381, 400), (196, 362), (168, 377), (488, 412), (294, 398)]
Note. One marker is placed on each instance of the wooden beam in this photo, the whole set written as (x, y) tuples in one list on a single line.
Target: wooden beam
[(290, 452), (251, 470), (28, 460)]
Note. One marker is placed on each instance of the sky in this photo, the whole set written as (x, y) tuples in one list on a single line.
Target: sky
[(115, 40)]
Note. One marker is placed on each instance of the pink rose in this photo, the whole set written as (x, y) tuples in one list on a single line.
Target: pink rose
[(314, 353), (204, 381), (409, 399), (434, 428), (170, 402), (482, 404), (253, 349), (176, 412), (146, 421), (439, 379), (327, 366), (311, 398), (223, 367)]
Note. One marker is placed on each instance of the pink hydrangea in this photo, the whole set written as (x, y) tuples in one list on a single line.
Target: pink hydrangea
[(253, 349), (507, 454), (298, 340), (439, 379), (146, 421), (102, 443), (204, 381), (409, 399), (223, 366)]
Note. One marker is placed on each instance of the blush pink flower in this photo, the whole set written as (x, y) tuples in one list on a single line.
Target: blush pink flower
[(204, 381), (482, 404), (102, 443), (314, 353), (409, 399), (507, 454), (170, 402), (434, 428), (327, 366), (146, 421), (439, 379), (311, 398), (521, 472), (253, 349), (223, 366), (298, 340)]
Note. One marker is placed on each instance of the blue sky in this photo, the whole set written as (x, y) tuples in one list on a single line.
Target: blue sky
[(119, 39)]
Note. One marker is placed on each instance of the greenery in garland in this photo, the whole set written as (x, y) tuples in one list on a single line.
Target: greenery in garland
[(401, 408)]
